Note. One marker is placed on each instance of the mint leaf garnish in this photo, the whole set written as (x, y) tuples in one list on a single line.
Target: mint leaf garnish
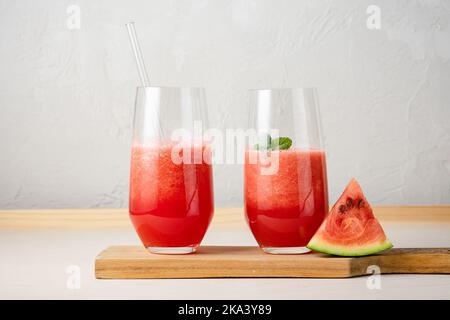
[(281, 143)]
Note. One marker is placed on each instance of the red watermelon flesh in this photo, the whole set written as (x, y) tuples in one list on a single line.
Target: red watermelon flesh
[(350, 229)]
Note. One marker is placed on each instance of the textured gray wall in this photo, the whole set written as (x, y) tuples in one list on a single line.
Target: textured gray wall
[(66, 96)]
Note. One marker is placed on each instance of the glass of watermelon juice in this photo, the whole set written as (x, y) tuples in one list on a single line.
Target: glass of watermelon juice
[(171, 195), (285, 178)]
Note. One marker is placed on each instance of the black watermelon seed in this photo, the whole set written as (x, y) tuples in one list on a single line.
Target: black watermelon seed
[(349, 202), (360, 203)]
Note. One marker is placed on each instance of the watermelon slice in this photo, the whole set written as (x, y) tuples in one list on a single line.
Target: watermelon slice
[(350, 229)]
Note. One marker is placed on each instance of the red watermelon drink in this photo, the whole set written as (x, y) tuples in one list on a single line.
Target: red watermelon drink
[(284, 209), (171, 203)]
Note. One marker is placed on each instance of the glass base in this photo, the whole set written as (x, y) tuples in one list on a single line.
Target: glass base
[(171, 250), (285, 250)]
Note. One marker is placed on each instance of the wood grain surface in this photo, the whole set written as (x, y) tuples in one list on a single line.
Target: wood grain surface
[(134, 262)]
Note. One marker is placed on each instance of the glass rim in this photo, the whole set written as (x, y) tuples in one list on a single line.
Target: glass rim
[(281, 89), (171, 87)]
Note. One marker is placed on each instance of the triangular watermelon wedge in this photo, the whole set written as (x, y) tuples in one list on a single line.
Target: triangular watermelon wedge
[(350, 229)]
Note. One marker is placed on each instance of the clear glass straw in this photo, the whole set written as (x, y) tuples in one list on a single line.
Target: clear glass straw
[(140, 62), (138, 54)]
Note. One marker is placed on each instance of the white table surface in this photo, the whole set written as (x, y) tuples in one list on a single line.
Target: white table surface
[(34, 262)]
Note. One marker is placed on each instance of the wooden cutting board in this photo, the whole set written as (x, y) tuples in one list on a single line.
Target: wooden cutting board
[(134, 262)]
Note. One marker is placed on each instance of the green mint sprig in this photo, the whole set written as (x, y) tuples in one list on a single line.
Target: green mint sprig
[(281, 143)]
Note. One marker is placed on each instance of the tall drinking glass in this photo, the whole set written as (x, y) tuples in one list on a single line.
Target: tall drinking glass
[(171, 196), (285, 179)]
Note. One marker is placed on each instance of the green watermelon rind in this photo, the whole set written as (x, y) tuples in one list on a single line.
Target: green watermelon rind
[(345, 251)]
